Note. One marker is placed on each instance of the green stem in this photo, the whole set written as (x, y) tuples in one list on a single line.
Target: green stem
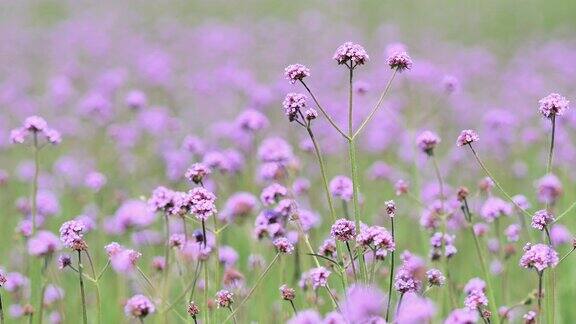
[(391, 277), (34, 204), (258, 281), (82, 293), (483, 267), (1, 311), (324, 111), (551, 152)]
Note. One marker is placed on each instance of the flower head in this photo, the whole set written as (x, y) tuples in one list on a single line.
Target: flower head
[(224, 298), (400, 61), (295, 72), (287, 292), (319, 277), (43, 243), (549, 189), (541, 219), (467, 136), (390, 208), (435, 277), (553, 105), (193, 309), (72, 235), (283, 245), (197, 172), (341, 187), (539, 257), (139, 306), (352, 54), (427, 141), (293, 104), (64, 261), (343, 230)]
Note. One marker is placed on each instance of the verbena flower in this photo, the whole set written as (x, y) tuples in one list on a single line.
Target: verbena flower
[(462, 316), (294, 104), (539, 257), (553, 105), (43, 243), (343, 230), (541, 219), (549, 189), (139, 306), (427, 141), (400, 61), (295, 72), (350, 53), (467, 136), (341, 187), (72, 235), (224, 298), (435, 277), (319, 277), (287, 293)]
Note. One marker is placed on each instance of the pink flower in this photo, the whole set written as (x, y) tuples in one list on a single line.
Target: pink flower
[(400, 61), (139, 306), (467, 136), (295, 72), (72, 235), (343, 230), (553, 105), (427, 141), (539, 257), (350, 53)]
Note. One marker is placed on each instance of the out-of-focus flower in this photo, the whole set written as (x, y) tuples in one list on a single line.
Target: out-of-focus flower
[(139, 306)]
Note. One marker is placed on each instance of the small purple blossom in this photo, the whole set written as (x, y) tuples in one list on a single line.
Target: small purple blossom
[(72, 235), (341, 187), (343, 230), (538, 256), (224, 298), (319, 277), (350, 53), (139, 306), (283, 245), (296, 72), (542, 219), (553, 105), (427, 141), (467, 136), (197, 172), (400, 61)]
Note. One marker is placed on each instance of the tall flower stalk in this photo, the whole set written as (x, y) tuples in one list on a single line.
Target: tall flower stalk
[(81, 281)]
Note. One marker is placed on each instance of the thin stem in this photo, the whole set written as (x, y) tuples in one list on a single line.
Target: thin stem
[(333, 297), (82, 293), (399, 304), (540, 293), (293, 307), (2, 311), (206, 291), (34, 203), (193, 286), (258, 281), (391, 277), (567, 254), (324, 111), (43, 290), (551, 152), (145, 277), (489, 174), (484, 269), (376, 107), (352, 261), (233, 314), (204, 232), (566, 212)]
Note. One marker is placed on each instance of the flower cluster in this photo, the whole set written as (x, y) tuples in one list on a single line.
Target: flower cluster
[(35, 126), (72, 235), (542, 219), (343, 230), (139, 306), (400, 61), (539, 257), (295, 72), (553, 105), (466, 137), (352, 54)]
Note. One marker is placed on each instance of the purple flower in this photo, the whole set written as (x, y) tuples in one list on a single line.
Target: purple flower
[(287, 292), (72, 235), (35, 124), (239, 205), (123, 260), (95, 181), (202, 202), (427, 141), (224, 298), (553, 105), (43, 243), (435, 277), (352, 54), (283, 245), (390, 208), (530, 317), (308, 316), (401, 187), (494, 208), (462, 316), (139, 306), (539, 257), (549, 189), (400, 61), (271, 194), (362, 302), (343, 230), (295, 72), (512, 232), (136, 100), (467, 136), (193, 309), (541, 219), (319, 277), (559, 235), (197, 172), (52, 294), (251, 120), (227, 256), (341, 187), (415, 309), (376, 236), (294, 104), (476, 299), (275, 149)]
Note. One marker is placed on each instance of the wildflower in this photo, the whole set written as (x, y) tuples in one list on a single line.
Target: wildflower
[(294, 104), (287, 292), (224, 298), (494, 208), (462, 193), (486, 184), (2, 279), (319, 277), (450, 84), (159, 263), (343, 230), (341, 187), (376, 236), (240, 204), (72, 235), (43, 243), (139, 306), (553, 105), (227, 256), (328, 248), (352, 54), (390, 208), (559, 235), (541, 219), (310, 114), (272, 193), (435, 277), (549, 189), (197, 172), (400, 61), (136, 100), (462, 316), (521, 201), (512, 232), (401, 187), (283, 245), (476, 299), (362, 302), (307, 316), (415, 309), (64, 261), (530, 317), (161, 199), (467, 136), (202, 203), (35, 125), (95, 181), (193, 309), (52, 294), (251, 120), (539, 257), (296, 72)]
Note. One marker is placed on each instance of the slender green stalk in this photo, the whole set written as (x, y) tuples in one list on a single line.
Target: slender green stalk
[(376, 107), (567, 254), (324, 111), (293, 307), (233, 314), (564, 213), (165, 274), (551, 152), (34, 203), (82, 293), (206, 292), (352, 261), (256, 284), (43, 290), (2, 311), (391, 277), (540, 273)]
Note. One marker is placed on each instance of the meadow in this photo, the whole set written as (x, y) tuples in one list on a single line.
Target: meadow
[(298, 162)]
